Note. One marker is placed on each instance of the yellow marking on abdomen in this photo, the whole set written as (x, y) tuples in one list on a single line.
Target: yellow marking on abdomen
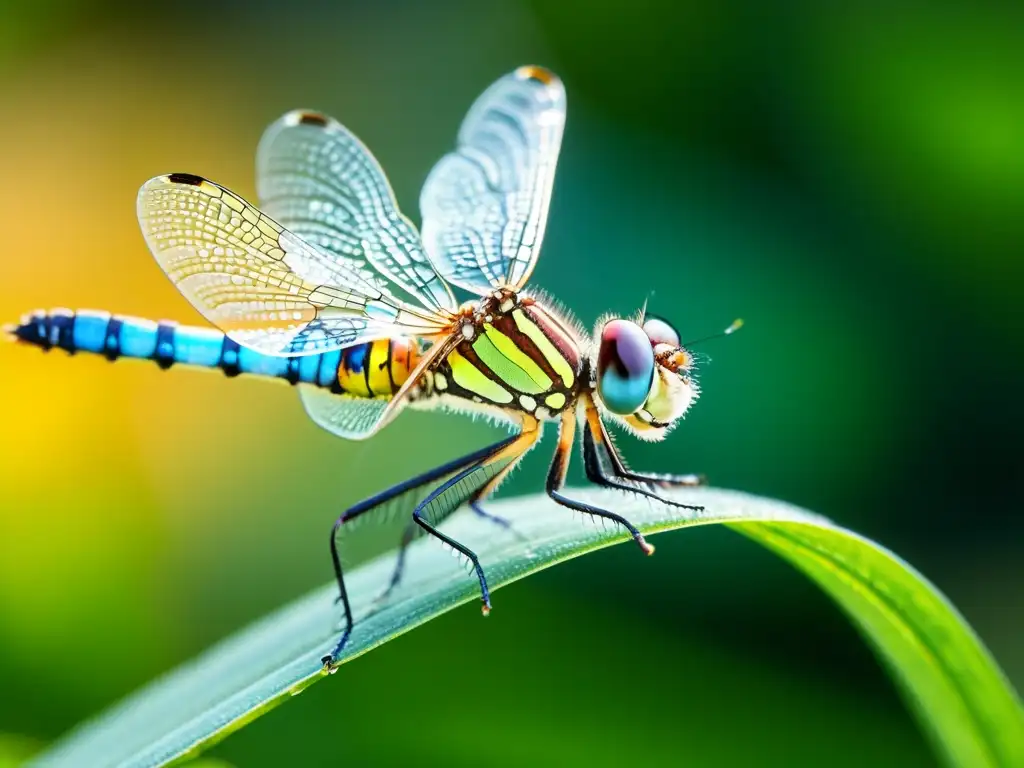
[(405, 355), (366, 371), (380, 381), (351, 378)]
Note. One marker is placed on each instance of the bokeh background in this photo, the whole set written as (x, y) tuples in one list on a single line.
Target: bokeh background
[(849, 179)]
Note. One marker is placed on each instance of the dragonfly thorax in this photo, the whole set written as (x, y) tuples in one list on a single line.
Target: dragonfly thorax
[(510, 355)]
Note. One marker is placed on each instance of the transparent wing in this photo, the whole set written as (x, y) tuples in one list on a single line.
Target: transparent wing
[(357, 418), (485, 205), (262, 285), (348, 417), (320, 182)]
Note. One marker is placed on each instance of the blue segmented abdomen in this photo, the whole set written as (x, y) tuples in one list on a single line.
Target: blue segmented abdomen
[(166, 343), (373, 369)]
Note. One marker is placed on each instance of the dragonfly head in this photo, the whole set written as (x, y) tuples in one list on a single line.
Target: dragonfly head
[(643, 375)]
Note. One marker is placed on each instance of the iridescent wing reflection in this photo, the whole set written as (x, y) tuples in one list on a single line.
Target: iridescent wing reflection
[(263, 285), (485, 205)]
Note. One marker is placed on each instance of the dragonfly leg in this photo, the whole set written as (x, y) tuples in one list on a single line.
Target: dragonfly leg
[(474, 504), (477, 507), (379, 502), (601, 437), (496, 519), (479, 479), (409, 535), (396, 575), (531, 435), (594, 436), (556, 481), (485, 594)]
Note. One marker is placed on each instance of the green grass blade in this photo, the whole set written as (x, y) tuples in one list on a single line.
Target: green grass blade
[(951, 683)]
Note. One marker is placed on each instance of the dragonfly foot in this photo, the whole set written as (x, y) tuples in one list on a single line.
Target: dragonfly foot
[(330, 661), (647, 549), (485, 609)]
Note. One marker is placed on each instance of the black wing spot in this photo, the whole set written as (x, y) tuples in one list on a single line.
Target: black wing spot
[(313, 118), (186, 178)]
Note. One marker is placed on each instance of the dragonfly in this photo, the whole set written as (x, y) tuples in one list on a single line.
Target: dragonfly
[(328, 286)]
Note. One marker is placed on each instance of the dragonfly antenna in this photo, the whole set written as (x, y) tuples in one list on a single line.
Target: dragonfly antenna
[(643, 309), (733, 327)]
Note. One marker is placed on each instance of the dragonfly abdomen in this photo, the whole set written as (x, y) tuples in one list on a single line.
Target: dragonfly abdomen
[(371, 369), (375, 368)]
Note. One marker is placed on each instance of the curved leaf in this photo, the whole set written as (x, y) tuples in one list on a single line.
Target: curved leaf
[(947, 676), (15, 750)]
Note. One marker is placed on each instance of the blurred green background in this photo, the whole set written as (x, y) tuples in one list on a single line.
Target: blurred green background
[(850, 180)]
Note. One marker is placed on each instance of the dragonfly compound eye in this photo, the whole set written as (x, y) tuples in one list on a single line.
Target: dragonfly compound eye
[(625, 367), (661, 332)]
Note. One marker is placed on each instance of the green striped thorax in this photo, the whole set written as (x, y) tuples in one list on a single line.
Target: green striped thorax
[(642, 375), (515, 353)]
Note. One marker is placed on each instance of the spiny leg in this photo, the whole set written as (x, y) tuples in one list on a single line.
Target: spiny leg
[(410, 534), (402, 492), (598, 475), (595, 435), (396, 575), (620, 470), (477, 507), (474, 504), (556, 481), (496, 519), (468, 484)]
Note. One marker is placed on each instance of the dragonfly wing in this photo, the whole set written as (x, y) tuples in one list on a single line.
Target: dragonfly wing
[(485, 205), (349, 417), (358, 418), (260, 283), (320, 182)]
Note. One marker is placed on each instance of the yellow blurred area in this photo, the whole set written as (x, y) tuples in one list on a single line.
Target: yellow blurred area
[(73, 493)]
